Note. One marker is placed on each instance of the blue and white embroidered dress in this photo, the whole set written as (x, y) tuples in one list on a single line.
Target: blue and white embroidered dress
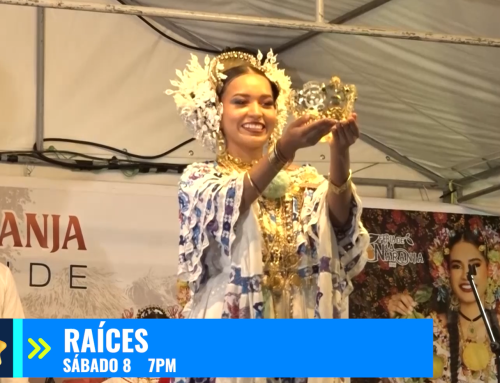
[(220, 252)]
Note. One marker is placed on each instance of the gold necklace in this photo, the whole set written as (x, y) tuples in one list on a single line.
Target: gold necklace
[(229, 162), (279, 249), (279, 253), (476, 356)]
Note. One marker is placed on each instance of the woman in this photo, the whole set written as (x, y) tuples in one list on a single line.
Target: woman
[(461, 345), (260, 238), (10, 307)]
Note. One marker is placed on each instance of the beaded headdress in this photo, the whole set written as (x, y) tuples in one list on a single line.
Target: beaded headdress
[(489, 246), (196, 94)]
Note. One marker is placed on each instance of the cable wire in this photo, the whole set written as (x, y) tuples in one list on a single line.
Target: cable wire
[(124, 152), (206, 50)]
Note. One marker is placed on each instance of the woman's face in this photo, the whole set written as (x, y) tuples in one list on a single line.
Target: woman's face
[(249, 114), (462, 255)]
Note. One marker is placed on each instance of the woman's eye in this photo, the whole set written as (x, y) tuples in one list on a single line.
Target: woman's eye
[(239, 101)]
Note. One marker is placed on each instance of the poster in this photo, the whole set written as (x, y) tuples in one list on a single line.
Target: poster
[(426, 255), (399, 255), (90, 249)]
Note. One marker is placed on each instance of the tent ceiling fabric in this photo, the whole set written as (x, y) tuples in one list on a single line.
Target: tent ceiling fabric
[(437, 104), (227, 35), (105, 75)]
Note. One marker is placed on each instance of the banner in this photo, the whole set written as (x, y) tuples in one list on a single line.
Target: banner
[(423, 257), (90, 249), (118, 348), (107, 250)]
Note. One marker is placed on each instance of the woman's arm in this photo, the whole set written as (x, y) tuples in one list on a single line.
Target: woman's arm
[(298, 135), (339, 201), (339, 196), (261, 175)]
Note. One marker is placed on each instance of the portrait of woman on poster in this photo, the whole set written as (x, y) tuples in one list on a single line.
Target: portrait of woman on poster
[(462, 352)]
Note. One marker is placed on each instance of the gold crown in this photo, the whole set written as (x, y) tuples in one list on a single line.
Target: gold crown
[(230, 60), (334, 100)]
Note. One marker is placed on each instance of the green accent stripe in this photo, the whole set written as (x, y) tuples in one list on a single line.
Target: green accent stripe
[(17, 325)]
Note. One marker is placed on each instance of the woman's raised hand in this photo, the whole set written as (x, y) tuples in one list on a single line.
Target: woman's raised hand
[(299, 134)]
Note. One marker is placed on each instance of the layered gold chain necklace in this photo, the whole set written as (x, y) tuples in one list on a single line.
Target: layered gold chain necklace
[(476, 355), (279, 249)]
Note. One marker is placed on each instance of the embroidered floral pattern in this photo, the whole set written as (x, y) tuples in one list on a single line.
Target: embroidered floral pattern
[(209, 202)]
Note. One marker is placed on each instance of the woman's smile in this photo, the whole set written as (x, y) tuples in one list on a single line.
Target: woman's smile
[(466, 287), (254, 128)]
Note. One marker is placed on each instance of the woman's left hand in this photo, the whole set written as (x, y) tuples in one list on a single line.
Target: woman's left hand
[(345, 133)]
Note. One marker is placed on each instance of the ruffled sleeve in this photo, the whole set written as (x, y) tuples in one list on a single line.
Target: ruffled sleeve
[(208, 210), (341, 253)]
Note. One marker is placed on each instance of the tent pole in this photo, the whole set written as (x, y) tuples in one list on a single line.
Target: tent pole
[(390, 191), (479, 193), (257, 21), (342, 19), (320, 11), (40, 77)]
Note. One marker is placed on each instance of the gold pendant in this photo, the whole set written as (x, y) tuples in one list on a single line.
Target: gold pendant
[(277, 283), (295, 280), (471, 330), (476, 356)]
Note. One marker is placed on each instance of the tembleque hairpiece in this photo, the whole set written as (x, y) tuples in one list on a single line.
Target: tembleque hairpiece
[(196, 94)]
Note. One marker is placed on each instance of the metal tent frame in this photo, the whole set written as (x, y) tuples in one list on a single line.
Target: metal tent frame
[(312, 28)]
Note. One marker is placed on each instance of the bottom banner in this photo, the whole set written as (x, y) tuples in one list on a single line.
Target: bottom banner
[(220, 348)]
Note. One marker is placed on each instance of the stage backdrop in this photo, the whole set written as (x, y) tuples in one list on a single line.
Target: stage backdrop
[(89, 249), (105, 250)]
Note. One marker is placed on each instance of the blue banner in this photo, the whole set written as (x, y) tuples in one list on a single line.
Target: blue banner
[(222, 348)]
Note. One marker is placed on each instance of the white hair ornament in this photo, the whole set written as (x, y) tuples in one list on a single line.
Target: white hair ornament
[(196, 94)]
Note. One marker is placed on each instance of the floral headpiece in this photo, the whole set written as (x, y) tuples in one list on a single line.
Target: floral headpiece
[(196, 94), (489, 247)]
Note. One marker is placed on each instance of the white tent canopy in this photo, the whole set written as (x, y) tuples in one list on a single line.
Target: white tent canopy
[(429, 111)]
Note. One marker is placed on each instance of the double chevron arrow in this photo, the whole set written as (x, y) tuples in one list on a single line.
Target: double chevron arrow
[(38, 348)]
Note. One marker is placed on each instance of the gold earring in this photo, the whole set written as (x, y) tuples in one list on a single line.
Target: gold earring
[(221, 142), (454, 302)]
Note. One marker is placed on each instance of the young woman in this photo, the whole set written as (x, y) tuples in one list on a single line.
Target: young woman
[(462, 350), (10, 307), (260, 238)]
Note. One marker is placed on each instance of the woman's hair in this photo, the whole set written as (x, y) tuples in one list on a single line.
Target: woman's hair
[(243, 69), (152, 312), (467, 236)]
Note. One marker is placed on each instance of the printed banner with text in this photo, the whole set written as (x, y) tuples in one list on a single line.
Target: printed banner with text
[(90, 249)]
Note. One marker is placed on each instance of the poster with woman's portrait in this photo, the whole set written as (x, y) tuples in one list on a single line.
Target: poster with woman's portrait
[(418, 268)]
